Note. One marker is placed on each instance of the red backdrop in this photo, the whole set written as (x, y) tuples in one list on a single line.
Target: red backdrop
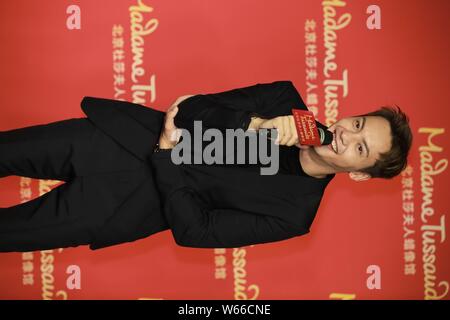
[(152, 52)]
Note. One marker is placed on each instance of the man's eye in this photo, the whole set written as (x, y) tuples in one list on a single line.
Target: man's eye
[(357, 124)]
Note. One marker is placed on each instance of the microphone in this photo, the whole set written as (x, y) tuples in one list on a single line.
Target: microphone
[(326, 136), (309, 131)]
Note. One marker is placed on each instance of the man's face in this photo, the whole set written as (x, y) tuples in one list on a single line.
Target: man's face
[(358, 142)]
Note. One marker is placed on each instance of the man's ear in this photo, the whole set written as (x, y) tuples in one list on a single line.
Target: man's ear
[(359, 176)]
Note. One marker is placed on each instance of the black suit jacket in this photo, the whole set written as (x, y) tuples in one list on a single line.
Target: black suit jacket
[(209, 206)]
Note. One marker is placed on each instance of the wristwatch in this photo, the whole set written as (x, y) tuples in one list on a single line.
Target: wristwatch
[(158, 149)]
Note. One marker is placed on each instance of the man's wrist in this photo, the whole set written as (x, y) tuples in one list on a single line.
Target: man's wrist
[(255, 123), (163, 145), (159, 148)]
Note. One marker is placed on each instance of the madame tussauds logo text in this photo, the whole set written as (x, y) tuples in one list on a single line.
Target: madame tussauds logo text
[(213, 152)]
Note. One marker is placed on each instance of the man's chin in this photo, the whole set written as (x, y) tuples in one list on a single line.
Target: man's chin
[(321, 148), (323, 151)]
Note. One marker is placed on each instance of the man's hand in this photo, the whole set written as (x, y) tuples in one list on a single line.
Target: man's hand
[(181, 99), (170, 134), (285, 125)]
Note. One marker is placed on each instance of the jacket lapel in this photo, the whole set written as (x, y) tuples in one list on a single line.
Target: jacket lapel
[(135, 127)]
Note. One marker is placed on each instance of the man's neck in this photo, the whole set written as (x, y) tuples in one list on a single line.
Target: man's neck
[(311, 166)]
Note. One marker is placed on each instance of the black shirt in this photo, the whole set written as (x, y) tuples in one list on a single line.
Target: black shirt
[(289, 162)]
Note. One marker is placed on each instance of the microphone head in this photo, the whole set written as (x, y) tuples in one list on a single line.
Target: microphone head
[(326, 136)]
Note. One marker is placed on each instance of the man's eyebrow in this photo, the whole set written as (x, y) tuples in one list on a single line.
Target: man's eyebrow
[(364, 140)]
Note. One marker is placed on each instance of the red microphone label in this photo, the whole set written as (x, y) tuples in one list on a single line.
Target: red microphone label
[(307, 131)]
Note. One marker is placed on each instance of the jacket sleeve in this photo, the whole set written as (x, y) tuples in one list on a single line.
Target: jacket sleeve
[(194, 225), (234, 108)]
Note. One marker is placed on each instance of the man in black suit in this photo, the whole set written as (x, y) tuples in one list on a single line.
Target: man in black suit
[(121, 184)]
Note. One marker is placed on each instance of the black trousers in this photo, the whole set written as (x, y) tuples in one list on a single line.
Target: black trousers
[(78, 153)]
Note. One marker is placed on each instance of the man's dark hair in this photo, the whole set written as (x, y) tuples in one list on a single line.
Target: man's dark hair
[(394, 161)]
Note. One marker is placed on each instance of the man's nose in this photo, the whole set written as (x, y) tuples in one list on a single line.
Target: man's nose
[(347, 136)]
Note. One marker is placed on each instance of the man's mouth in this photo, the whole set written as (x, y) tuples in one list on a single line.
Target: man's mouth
[(333, 144)]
